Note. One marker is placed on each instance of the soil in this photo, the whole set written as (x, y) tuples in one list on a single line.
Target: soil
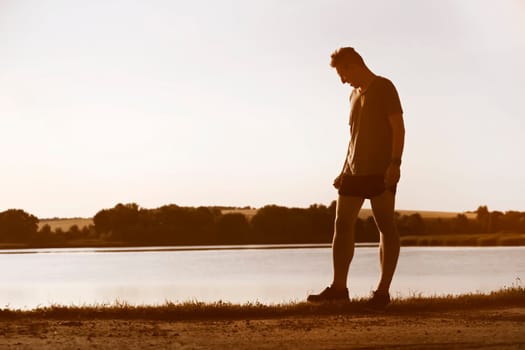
[(467, 329)]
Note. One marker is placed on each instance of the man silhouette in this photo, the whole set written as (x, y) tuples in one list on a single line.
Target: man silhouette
[(371, 170)]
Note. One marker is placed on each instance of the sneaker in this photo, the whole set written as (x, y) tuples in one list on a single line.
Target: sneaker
[(329, 294), (378, 302)]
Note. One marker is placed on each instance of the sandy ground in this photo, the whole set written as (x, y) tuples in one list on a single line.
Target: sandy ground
[(480, 329)]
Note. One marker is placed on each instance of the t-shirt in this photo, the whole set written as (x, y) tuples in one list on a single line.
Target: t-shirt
[(370, 149)]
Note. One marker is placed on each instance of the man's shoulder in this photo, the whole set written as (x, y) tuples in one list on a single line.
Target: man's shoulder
[(384, 82), (384, 86)]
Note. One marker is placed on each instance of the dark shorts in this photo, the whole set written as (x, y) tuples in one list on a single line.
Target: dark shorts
[(364, 186)]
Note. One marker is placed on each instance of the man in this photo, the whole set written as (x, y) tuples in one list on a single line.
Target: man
[(371, 171)]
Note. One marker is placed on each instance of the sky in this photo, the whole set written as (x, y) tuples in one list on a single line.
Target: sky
[(234, 103)]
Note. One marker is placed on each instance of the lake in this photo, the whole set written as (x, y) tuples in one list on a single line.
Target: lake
[(267, 274)]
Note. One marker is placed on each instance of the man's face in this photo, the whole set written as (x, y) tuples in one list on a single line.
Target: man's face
[(349, 74)]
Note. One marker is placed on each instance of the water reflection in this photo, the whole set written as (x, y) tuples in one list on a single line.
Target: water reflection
[(153, 276)]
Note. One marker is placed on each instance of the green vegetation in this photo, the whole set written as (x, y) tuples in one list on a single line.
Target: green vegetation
[(131, 225), (507, 297)]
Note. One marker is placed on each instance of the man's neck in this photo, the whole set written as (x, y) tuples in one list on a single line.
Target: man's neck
[(367, 81)]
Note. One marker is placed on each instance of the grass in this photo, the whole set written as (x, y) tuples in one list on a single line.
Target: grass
[(506, 297)]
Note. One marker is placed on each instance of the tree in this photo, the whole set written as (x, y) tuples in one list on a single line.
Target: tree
[(495, 221), (322, 223), (233, 228), (45, 230), (513, 221), (371, 231), (483, 218), (17, 226), (412, 224), (118, 221), (460, 224), (270, 224)]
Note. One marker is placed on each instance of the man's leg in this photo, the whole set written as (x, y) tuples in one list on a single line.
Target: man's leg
[(389, 246), (343, 242)]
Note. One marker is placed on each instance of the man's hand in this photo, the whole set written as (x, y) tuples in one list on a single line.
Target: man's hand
[(392, 175), (338, 180)]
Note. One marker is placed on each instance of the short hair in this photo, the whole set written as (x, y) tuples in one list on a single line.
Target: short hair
[(346, 55)]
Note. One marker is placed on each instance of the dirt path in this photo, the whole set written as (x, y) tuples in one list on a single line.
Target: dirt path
[(483, 329)]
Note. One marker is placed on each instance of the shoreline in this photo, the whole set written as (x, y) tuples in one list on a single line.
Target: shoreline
[(194, 310), (445, 240), (493, 321)]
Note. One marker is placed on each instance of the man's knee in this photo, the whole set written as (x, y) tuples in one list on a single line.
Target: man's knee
[(389, 233), (343, 225), (347, 211)]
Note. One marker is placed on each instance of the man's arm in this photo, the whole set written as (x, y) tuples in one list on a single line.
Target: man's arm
[(398, 134), (393, 172), (339, 178)]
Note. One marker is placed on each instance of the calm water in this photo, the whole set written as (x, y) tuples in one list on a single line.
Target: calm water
[(86, 276)]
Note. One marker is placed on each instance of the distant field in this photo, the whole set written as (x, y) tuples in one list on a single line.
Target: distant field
[(365, 213), (465, 239), (249, 213), (426, 214), (65, 224)]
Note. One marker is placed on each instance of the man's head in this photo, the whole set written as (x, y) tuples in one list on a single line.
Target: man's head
[(350, 66)]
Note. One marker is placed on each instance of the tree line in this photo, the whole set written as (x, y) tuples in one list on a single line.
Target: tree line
[(271, 224)]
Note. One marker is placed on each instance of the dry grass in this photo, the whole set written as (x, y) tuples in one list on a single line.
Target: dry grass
[(506, 297)]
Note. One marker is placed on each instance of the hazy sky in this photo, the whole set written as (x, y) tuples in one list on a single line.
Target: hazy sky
[(234, 102)]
